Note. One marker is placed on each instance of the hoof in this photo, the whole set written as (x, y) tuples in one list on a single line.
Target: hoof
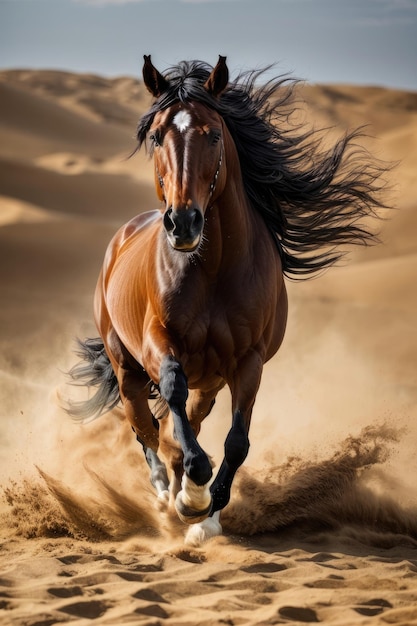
[(188, 514), (200, 533)]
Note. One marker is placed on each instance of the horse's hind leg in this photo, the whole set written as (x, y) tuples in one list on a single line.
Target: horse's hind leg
[(134, 391), (159, 476)]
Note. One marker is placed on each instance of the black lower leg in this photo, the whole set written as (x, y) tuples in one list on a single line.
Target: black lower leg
[(174, 389), (236, 448)]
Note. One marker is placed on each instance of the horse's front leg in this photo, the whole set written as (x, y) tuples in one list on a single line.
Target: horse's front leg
[(194, 502), (244, 387), (236, 448)]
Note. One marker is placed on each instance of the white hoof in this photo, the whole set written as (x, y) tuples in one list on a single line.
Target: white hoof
[(203, 531)]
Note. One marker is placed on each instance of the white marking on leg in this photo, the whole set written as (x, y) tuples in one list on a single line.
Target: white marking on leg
[(162, 500), (203, 531), (193, 495), (182, 120), (166, 497), (174, 488), (160, 487)]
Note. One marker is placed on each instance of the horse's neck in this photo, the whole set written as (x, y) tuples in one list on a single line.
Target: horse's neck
[(236, 224)]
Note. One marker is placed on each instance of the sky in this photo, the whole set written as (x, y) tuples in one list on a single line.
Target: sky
[(371, 42)]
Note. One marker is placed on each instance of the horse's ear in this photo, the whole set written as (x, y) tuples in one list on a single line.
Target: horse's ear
[(154, 81), (218, 79)]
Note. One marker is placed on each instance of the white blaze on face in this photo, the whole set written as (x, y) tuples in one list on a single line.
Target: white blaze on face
[(182, 120)]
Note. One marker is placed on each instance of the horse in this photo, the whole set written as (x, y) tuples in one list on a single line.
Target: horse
[(192, 297)]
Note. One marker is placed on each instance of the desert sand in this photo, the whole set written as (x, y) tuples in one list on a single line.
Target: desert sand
[(322, 526)]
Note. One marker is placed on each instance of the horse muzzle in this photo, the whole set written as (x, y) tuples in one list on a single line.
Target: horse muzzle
[(184, 228)]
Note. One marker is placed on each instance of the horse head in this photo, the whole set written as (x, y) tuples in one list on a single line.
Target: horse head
[(186, 140)]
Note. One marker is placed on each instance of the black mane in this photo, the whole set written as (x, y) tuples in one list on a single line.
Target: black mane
[(312, 199)]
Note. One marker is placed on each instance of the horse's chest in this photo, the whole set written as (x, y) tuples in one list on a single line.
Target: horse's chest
[(214, 325), (207, 350), (211, 340)]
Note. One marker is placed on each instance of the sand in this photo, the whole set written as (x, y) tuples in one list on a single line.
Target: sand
[(322, 526)]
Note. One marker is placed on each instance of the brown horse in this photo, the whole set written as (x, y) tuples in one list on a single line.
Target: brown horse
[(192, 297)]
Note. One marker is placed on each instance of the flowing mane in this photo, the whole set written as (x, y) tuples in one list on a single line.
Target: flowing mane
[(307, 195)]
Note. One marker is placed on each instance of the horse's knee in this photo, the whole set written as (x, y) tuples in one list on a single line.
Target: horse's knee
[(236, 446), (197, 466), (173, 383)]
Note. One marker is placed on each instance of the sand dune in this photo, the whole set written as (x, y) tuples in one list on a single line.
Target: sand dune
[(322, 526), (87, 194)]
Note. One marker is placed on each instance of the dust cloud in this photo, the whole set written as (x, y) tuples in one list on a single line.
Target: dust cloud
[(329, 464)]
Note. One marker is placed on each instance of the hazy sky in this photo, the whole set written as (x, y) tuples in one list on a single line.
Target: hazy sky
[(343, 41)]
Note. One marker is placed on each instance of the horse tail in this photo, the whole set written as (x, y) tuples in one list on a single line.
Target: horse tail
[(93, 371)]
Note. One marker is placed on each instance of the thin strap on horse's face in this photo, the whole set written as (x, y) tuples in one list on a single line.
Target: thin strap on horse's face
[(160, 179), (216, 175)]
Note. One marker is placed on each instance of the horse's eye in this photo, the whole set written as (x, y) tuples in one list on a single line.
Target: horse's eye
[(215, 137), (155, 138)]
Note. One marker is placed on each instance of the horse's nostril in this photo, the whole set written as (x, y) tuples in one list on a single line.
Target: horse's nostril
[(197, 221), (168, 221), (183, 223)]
